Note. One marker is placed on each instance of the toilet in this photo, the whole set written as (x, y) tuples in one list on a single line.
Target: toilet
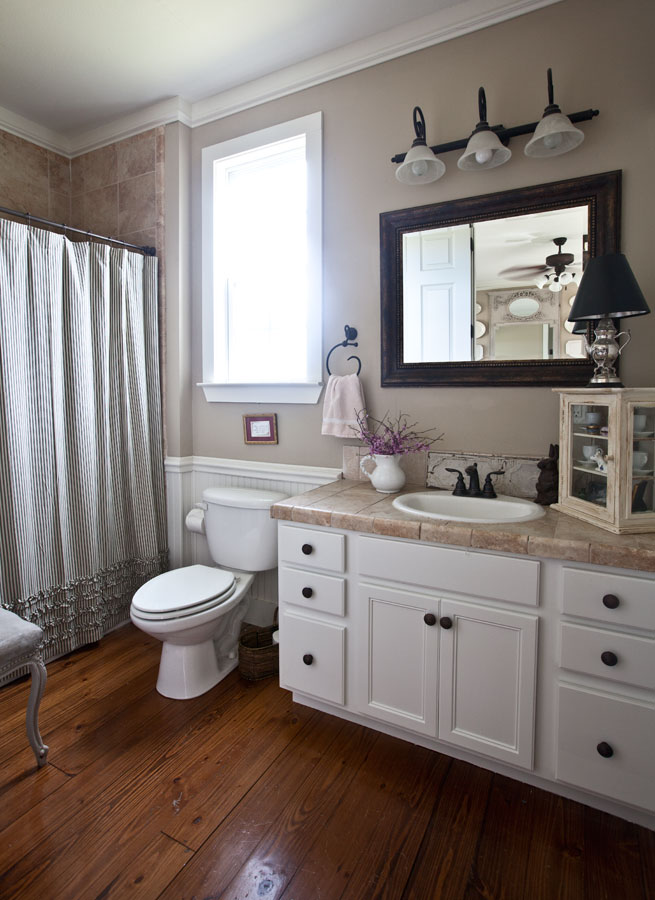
[(197, 611)]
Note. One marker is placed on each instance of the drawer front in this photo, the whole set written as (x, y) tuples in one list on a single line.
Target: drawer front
[(312, 657), (594, 595), (323, 593), (463, 571), (315, 549), (619, 657), (587, 720)]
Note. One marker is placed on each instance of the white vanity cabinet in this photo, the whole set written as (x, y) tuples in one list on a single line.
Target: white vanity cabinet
[(536, 668)]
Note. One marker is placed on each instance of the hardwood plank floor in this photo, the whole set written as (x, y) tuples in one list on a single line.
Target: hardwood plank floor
[(241, 794)]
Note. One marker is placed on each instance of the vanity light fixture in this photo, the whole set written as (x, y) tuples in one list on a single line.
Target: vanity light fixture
[(608, 290), (484, 149), (420, 165), (555, 133)]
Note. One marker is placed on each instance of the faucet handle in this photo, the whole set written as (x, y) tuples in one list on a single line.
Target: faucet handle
[(460, 486), (488, 489)]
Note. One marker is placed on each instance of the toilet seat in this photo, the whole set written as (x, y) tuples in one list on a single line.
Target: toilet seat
[(183, 592)]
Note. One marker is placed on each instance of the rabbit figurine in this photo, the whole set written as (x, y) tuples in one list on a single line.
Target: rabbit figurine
[(548, 477), (600, 459)]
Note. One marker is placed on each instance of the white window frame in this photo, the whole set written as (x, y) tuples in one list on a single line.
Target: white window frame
[(305, 392)]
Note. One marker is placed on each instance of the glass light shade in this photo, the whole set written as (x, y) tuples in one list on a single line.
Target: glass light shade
[(542, 282), (555, 134), (420, 166), (483, 151), (555, 287), (566, 278)]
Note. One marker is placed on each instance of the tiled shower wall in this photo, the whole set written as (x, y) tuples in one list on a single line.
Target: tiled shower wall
[(116, 190), (34, 180)]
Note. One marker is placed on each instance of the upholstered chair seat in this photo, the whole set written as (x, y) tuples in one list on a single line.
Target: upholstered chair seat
[(20, 643)]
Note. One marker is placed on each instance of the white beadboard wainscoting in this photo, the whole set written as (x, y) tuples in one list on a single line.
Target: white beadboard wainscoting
[(187, 477)]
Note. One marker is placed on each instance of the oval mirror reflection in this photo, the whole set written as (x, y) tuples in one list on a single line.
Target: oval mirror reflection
[(523, 307)]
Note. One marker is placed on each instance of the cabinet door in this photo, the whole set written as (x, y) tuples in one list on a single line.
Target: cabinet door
[(487, 681), (312, 657), (397, 676)]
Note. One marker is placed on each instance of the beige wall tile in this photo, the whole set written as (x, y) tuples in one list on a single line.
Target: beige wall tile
[(136, 155), (94, 170), (59, 173), (100, 211), (23, 175), (59, 207), (137, 207)]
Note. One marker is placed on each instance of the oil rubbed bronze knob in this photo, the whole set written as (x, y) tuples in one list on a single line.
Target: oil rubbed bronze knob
[(307, 549), (308, 659), (605, 750), (609, 658), (430, 619), (307, 592), (611, 601), (446, 622)]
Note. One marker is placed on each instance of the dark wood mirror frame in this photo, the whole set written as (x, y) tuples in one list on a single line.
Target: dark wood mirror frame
[(602, 194)]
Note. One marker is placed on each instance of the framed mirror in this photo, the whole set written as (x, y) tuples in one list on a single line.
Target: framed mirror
[(477, 291)]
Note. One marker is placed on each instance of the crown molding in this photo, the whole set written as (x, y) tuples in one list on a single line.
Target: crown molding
[(444, 25)]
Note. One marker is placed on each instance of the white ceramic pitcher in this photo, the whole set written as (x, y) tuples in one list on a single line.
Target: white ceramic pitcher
[(387, 477)]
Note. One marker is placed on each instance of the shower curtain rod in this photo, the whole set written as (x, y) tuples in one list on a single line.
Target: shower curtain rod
[(148, 251)]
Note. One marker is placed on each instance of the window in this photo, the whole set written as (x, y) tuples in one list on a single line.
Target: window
[(262, 265)]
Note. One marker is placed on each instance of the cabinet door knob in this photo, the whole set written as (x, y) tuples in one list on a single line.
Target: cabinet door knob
[(307, 592), (308, 659), (430, 619), (307, 549), (446, 622), (609, 658), (605, 750), (611, 601)]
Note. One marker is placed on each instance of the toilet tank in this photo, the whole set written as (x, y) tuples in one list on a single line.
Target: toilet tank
[(239, 528)]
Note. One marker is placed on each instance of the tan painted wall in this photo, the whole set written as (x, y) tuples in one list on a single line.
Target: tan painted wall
[(601, 55)]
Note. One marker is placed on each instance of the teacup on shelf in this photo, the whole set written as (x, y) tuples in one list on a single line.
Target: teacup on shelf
[(639, 459)]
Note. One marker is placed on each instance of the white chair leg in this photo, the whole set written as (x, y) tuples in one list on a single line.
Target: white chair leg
[(39, 676)]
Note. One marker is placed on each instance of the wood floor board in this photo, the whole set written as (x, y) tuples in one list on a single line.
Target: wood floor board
[(291, 829), (446, 854), (257, 818), (337, 849), (241, 794)]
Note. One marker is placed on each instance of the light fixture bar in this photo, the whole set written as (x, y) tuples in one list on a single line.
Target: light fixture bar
[(505, 134)]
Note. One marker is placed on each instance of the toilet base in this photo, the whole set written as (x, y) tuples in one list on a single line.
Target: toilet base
[(189, 671)]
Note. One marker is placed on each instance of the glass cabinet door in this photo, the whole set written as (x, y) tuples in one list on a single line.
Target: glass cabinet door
[(589, 430), (642, 462)]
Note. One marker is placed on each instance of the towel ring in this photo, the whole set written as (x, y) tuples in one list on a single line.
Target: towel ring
[(351, 334)]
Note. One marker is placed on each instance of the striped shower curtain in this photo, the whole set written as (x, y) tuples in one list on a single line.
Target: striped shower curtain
[(82, 507)]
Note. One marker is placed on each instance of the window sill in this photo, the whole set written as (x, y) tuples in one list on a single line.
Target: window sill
[(261, 393)]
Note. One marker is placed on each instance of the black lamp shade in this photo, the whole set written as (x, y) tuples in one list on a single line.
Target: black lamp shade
[(608, 289)]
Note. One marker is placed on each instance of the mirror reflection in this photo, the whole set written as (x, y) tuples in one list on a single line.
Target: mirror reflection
[(499, 289)]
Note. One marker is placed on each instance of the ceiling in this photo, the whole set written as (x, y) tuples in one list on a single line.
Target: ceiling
[(69, 66)]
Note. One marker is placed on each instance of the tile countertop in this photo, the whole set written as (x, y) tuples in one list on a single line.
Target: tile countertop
[(356, 506)]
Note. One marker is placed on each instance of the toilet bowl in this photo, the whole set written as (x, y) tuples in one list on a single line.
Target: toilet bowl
[(197, 611)]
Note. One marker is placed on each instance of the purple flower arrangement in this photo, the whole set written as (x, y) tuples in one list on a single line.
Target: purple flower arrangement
[(392, 437)]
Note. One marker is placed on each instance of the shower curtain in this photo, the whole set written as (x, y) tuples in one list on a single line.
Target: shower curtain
[(82, 505)]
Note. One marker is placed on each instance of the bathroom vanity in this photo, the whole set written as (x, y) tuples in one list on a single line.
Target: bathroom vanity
[(527, 649)]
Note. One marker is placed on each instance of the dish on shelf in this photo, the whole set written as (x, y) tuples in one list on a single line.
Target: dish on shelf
[(642, 471), (586, 463), (641, 434)]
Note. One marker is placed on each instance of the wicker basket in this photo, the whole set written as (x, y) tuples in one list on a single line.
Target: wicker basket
[(258, 653)]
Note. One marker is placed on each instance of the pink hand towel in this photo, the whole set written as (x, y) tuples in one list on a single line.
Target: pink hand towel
[(344, 398)]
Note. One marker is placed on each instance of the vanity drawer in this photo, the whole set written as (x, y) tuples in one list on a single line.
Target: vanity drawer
[(312, 656), (442, 569), (594, 595), (632, 662), (323, 593), (314, 549), (624, 729)]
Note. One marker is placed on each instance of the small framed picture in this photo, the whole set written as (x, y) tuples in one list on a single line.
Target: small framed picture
[(260, 429)]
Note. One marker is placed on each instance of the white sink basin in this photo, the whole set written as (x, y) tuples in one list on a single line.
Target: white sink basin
[(441, 505)]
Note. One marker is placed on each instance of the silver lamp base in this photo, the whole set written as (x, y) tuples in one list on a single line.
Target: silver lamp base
[(605, 350)]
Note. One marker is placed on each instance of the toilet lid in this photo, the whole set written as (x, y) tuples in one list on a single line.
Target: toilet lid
[(183, 592)]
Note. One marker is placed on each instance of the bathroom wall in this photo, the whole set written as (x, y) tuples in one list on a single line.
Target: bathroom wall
[(34, 180), (601, 57)]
